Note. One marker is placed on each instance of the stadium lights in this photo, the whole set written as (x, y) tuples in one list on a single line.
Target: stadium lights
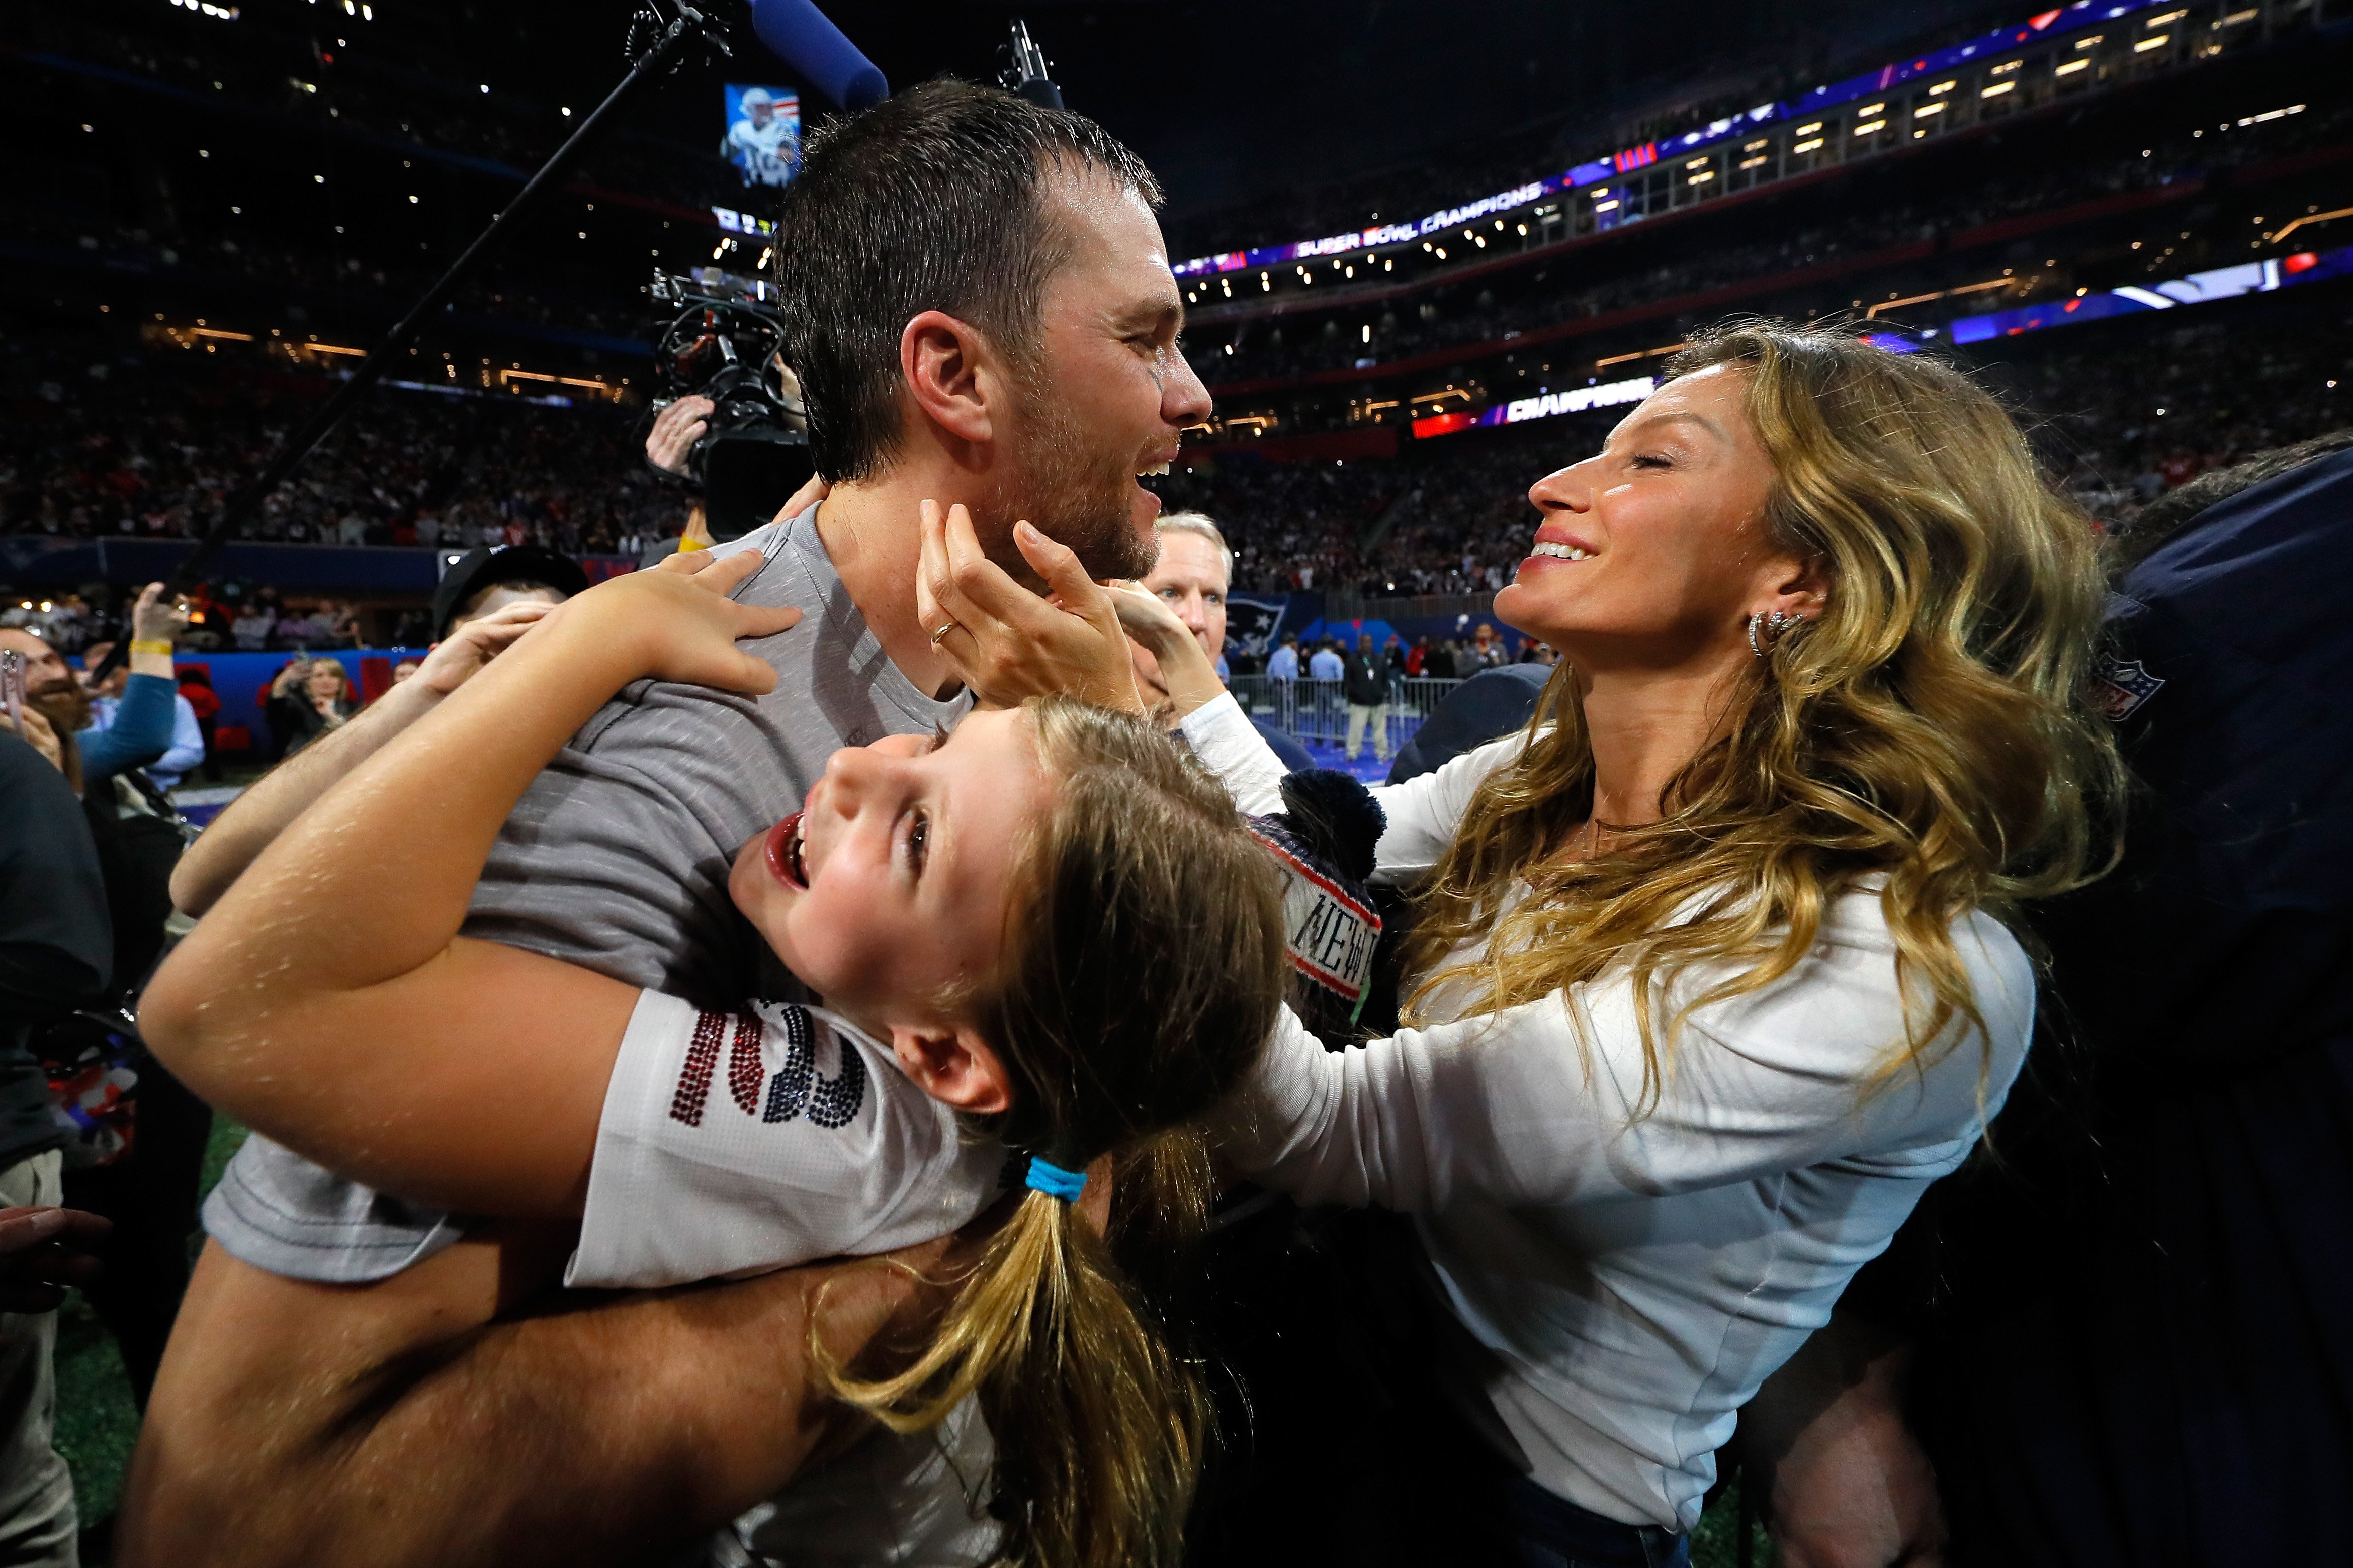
[(1997, 89), (2158, 42), (2071, 66)]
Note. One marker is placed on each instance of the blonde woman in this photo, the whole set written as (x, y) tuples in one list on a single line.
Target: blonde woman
[(1714, 969), (310, 697)]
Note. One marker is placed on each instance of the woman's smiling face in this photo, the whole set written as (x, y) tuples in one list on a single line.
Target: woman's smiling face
[(1655, 548), (888, 888)]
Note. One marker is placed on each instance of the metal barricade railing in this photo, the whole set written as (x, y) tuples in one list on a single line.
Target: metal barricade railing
[(1318, 710)]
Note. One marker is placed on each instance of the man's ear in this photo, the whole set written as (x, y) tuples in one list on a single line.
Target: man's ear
[(953, 375), (954, 1067)]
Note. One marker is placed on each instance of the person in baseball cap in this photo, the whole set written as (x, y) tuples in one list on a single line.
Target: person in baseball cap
[(484, 580)]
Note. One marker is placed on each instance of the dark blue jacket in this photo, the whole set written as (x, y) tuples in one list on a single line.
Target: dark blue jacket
[(2144, 1351)]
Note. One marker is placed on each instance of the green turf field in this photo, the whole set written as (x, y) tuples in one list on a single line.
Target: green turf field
[(97, 1423)]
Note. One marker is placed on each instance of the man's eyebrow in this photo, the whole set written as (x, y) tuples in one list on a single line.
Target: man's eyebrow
[(1145, 313)]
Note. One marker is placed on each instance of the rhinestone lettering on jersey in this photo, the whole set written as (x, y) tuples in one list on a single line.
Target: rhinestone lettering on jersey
[(701, 1060), (797, 1087), (744, 1068)]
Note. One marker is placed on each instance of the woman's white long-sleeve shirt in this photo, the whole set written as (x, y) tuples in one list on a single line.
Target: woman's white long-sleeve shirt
[(1636, 1277)]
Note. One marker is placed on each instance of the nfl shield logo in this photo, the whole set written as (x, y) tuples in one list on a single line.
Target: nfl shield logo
[(2122, 686)]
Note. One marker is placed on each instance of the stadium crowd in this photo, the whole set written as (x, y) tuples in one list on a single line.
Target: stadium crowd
[(152, 449)]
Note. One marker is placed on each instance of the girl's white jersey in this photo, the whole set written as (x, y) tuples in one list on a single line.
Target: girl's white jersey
[(734, 1144)]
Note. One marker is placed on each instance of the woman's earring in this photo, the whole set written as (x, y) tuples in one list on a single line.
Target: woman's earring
[(1776, 625)]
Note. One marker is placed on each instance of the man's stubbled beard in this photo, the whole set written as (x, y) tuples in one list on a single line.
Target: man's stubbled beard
[(1074, 490)]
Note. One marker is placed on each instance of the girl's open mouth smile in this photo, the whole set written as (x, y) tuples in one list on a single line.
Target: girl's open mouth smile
[(784, 853)]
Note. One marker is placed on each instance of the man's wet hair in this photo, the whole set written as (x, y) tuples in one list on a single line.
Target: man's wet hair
[(935, 199)]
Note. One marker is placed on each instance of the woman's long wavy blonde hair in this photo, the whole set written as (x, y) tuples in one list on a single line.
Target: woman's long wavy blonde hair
[(1931, 729)]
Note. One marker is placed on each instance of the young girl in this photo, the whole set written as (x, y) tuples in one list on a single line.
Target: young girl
[(1005, 924)]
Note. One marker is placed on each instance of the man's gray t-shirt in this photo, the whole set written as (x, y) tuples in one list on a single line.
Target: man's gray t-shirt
[(616, 858)]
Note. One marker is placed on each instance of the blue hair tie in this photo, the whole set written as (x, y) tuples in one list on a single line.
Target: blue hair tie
[(1055, 1181)]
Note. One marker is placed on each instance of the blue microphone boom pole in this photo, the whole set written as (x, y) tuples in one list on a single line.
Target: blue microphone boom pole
[(682, 27)]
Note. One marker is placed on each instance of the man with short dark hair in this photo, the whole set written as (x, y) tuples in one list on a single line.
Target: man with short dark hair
[(981, 312)]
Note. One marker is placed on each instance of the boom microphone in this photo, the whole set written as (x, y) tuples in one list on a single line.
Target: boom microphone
[(803, 37)]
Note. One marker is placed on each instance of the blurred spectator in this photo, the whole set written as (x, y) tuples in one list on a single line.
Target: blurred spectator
[(1324, 663), (188, 744), (55, 952), (309, 697), (196, 692), (487, 581), (1189, 576), (1366, 688)]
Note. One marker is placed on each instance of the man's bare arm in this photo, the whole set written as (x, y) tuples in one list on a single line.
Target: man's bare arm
[(407, 1422), (223, 851)]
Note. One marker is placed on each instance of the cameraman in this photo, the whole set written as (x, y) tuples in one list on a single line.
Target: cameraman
[(669, 444), (670, 452)]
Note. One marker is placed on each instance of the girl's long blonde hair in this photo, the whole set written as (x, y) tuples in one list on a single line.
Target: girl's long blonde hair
[(1931, 730), (1143, 966)]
